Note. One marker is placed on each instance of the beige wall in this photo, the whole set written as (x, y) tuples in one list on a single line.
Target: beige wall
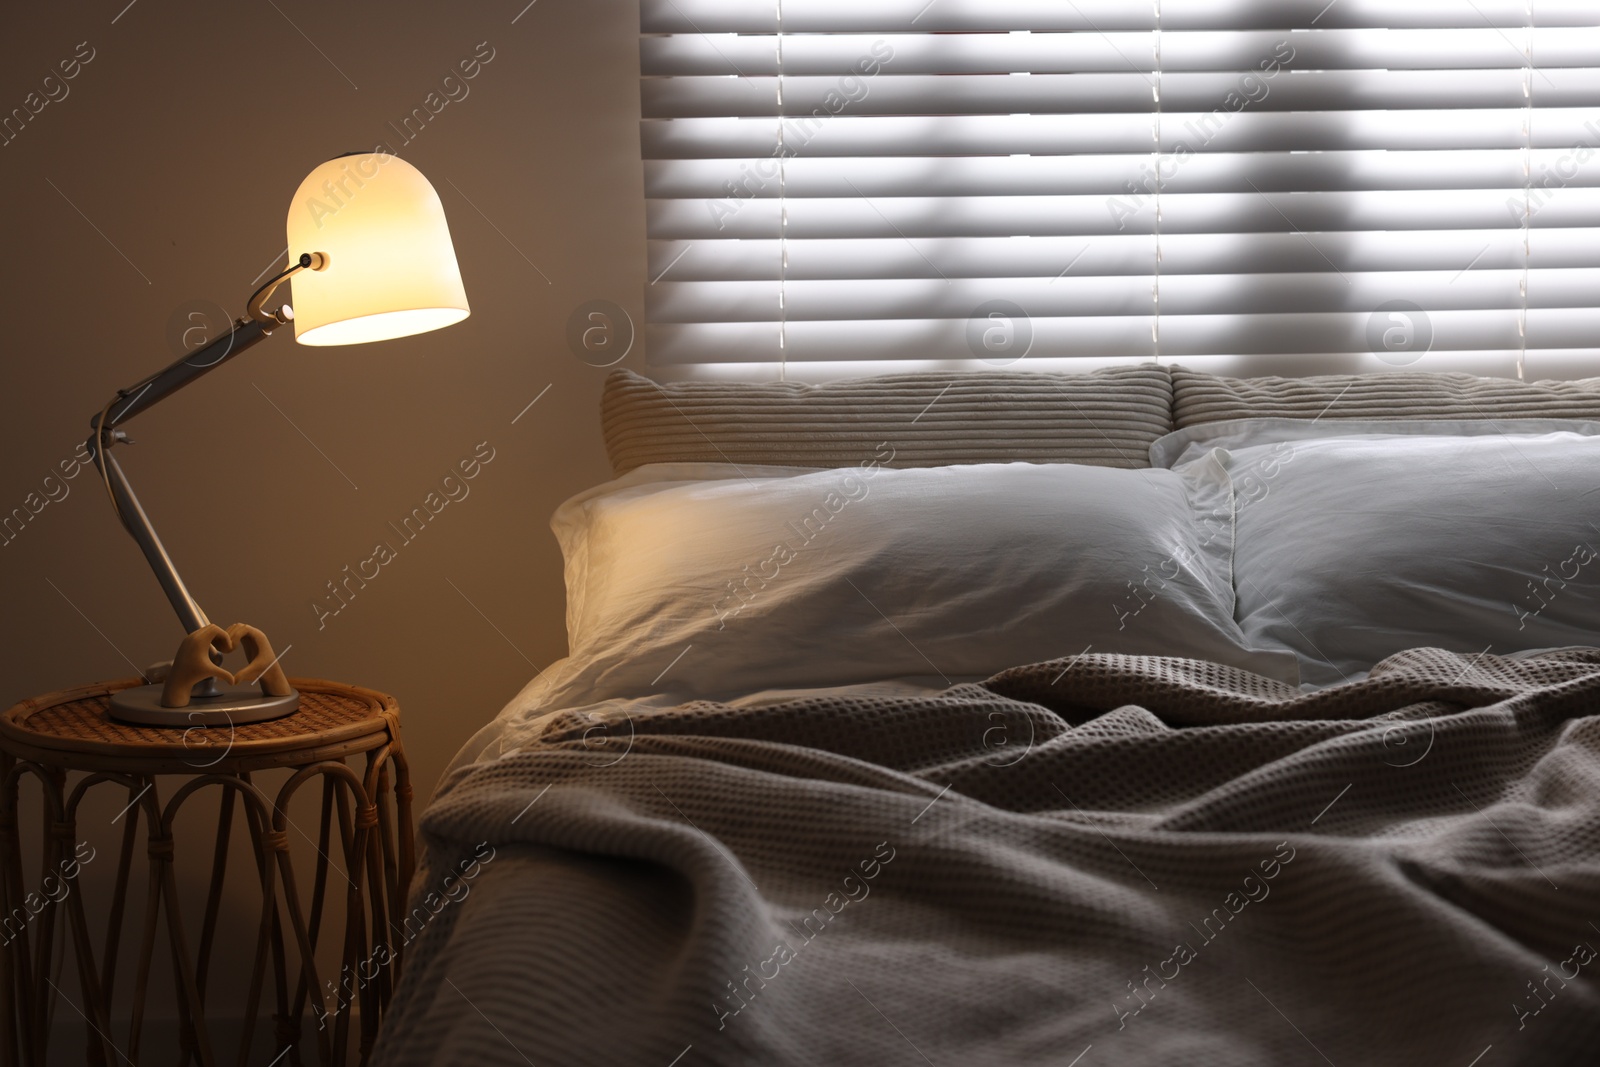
[(178, 146)]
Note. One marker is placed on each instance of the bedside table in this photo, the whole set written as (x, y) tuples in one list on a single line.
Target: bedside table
[(369, 808)]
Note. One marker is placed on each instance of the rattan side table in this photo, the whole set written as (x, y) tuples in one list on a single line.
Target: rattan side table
[(369, 808)]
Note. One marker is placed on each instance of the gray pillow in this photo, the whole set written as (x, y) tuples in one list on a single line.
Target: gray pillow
[(1357, 540), (1105, 418), (1199, 398)]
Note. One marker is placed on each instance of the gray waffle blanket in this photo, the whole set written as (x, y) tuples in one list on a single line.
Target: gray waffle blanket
[(1111, 860)]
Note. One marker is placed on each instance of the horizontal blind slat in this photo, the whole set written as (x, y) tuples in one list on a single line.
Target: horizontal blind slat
[(1191, 294), (852, 16), (1050, 257), (1234, 213), (1214, 131), (1110, 336), (1043, 94), (1106, 174), (1475, 46)]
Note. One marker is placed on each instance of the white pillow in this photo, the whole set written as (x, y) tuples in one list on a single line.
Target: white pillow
[(775, 577), (1354, 541)]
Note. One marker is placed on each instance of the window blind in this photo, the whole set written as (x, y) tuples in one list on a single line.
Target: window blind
[(877, 179)]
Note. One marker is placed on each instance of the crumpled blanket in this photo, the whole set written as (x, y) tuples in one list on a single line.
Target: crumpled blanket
[(1104, 860)]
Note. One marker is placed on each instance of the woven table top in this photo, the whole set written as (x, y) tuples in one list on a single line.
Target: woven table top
[(333, 719)]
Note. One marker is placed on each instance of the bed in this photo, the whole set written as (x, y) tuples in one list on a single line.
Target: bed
[(1141, 716)]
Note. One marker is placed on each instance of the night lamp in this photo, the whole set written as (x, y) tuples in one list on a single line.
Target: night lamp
[(371, 259), (377, 218)]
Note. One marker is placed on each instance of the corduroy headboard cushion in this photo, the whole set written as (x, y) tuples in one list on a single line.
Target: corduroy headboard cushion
[(1107, 418), (1198, 397)]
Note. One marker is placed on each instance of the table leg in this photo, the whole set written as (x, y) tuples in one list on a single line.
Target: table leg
[(10, 958), (408, 830), (319, 886), (53, 783), (100, 1049), (152, 918), (191, 1012), (119, 897), (286, 1025), (353, 912), (331, 1046), (265, 938), (219, 872), (383, 871)]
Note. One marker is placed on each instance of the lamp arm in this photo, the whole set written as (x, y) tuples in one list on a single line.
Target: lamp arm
[(130, 402), (257, 323), (133, 517), (137, 398)]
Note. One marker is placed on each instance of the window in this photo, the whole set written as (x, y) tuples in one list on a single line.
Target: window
[(1179, 179)]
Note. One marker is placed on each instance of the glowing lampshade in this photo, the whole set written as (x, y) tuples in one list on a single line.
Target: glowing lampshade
[(391, 267)]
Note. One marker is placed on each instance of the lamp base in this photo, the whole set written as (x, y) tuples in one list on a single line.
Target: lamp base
[(234, 705)]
